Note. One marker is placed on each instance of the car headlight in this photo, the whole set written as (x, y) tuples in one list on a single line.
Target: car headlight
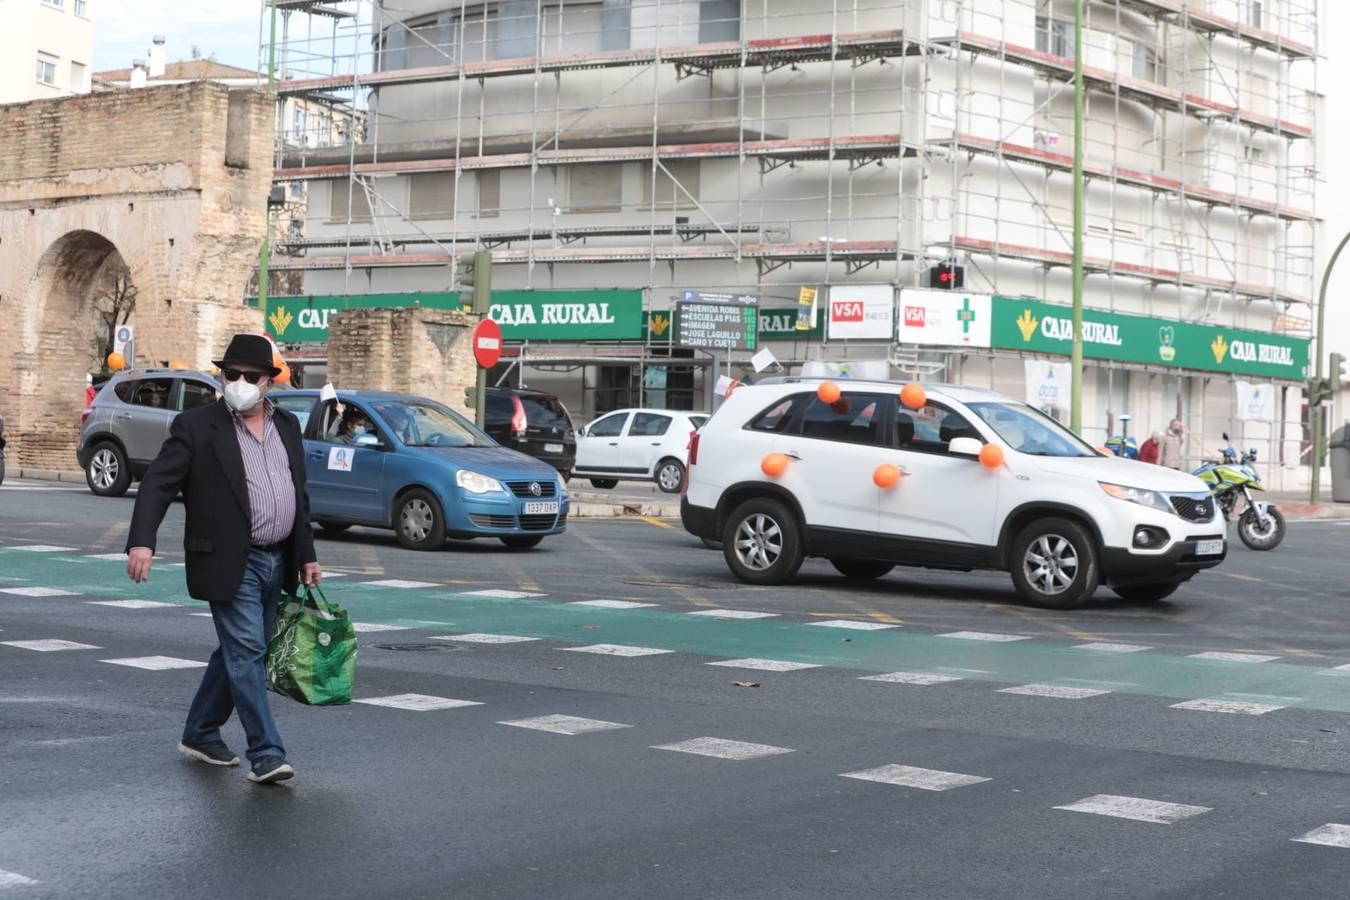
[(1151, 499), (477, 483)]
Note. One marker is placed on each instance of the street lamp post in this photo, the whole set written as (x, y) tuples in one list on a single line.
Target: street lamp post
[(265, 254), (1076, 382), (1317, 393)]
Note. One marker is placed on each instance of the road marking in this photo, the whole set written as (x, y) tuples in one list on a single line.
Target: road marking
[(371, 627), (910, 776), (1109, 647), (911, 678), (156, 663), (48, 646), (120, 557), (1232, 657), (732, 614), (45, 548), (569, 725), (764, 665), (1228, 706), (201, 615), (133, 604), (1239, 577), (652, 520), (1329, 835), (853, 624), (1156, 812), (38, 592), (398, 583), (984, 636), (1057, 691), (722, 748), (14, 879), (617, 650), (613, 604), (484, 638), (416, 702), (503, 595)]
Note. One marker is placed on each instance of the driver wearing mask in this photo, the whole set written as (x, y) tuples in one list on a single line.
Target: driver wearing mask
[(354, 424)]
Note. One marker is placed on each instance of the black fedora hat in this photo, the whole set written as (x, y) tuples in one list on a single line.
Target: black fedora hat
[(248, 349)]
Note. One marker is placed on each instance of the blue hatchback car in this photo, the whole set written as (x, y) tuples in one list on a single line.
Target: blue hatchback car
[(414, 465)]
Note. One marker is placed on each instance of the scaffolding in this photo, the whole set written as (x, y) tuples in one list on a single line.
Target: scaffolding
[(768, 146)]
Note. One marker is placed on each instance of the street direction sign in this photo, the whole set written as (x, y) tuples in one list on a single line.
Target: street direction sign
[(487, 343), (719, 297), (716, 326)]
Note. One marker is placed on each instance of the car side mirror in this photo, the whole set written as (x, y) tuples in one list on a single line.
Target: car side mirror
[(368, 440), (965, 446), (581, 432)]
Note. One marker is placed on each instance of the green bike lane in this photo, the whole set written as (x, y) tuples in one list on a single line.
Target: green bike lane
[(1149, 672)]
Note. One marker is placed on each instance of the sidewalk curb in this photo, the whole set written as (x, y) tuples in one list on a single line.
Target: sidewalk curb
[(73, 475)]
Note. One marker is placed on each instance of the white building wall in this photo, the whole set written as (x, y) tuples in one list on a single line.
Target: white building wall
[(52, 31)]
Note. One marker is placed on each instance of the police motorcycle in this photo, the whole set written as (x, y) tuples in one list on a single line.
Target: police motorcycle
[(1260, 525)]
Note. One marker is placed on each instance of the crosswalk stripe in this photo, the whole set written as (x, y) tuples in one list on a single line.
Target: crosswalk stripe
[(478, 638), (131, 604), (14, 879), (38, 592), (984, 636), (416, 702), (852, 624), (722, 748), (398, 583), (1156, 812), (612, 604), (764, 665), (910, 678), (1058, 691), (1239, 707), (732, 614), (910, 776), (1329, 835), (43, 548), (49, 646), (156, 663), (371, 627), (1232, 657), (504, 595), (559, 724), (1109, 647), (617, 650)]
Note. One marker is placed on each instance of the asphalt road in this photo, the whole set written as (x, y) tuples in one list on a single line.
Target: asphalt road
[(923, 736)]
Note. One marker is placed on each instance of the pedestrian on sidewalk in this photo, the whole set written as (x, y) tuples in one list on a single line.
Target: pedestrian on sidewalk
[(1151, 449), (239, 463), (1173, 446)]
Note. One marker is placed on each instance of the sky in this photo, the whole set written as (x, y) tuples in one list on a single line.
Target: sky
[(123, 28)]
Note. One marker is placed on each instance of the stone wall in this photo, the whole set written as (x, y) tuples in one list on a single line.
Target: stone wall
[(427, 352), (175, 181)]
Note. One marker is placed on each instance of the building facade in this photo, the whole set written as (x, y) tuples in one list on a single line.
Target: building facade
[(766, 148), (45, 48)]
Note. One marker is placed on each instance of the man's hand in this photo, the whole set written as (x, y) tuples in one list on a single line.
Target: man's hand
[(311, 574), (138, 564)]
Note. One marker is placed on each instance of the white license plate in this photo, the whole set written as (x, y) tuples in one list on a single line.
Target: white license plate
[(1208, 548), (553, 448), (541, 507)]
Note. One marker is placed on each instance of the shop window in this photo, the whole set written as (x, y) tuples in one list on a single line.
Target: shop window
[(595, 188), (431, 195)]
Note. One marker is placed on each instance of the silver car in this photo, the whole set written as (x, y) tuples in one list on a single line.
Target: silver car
[(122, 431)]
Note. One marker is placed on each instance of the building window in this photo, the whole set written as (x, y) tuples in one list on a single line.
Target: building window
[(719, 20), (78, 81), (489, 193), (669, 193), (46, 69), (1145, 63), (1257, 14), (82, 8), (616, 24), (431, 195), (1054, 36), (517, 26), (299, 123), (337, 206), (595, 188), (56, 3)]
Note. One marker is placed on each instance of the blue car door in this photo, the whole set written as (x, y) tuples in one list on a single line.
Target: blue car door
[(346, 480)]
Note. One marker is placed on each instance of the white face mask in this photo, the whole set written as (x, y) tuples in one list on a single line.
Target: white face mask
[(241, 396)]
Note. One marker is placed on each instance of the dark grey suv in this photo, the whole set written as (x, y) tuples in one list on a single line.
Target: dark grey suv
[(122, 431)]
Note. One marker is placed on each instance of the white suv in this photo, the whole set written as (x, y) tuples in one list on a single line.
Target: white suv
[(1058, 515), (637, 444)]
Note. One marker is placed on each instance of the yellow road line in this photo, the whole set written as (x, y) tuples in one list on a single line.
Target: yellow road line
[(1240, 577), (523, 581), (653, 520), (1031, 617)]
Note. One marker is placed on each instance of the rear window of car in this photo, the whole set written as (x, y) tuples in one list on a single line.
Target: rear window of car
[(698, 421), (649, 425), (545, 411), (779, 416), (194, 394), (852, 419), (152, 392)]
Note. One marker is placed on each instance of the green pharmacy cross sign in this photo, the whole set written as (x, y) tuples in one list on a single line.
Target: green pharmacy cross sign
[(1046, 328)]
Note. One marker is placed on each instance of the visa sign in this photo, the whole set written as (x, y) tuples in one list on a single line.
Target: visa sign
[(861, 311)]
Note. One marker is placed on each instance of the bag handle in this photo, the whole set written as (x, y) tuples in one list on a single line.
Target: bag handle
[(320, 602)]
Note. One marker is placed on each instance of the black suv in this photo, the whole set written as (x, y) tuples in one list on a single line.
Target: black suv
[(535, 423)]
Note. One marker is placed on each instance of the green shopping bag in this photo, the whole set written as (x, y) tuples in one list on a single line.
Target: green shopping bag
[(312, 654)]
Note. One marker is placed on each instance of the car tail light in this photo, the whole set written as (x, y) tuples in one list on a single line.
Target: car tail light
[(693, 447), (85, 414), (519, 423)]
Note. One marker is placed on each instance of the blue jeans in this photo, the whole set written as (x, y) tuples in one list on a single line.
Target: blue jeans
[(235, 679)]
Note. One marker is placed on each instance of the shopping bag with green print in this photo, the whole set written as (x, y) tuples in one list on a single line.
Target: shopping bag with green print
[(312, 654)]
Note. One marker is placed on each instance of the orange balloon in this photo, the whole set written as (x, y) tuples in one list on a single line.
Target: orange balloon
[(885, 475), (774, 464), (1106, 451), (913, 396), (843, 406), (178, 364), (116, 361), (285, 376), (828, 392), (277, 361), (991, 455)]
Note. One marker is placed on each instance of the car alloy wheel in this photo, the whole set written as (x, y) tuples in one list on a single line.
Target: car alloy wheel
[(670, 477), (759, 542), (104, 469), (1050, 564), (416, 520)]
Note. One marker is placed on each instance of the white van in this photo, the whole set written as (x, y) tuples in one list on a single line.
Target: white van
[(1059, 515)]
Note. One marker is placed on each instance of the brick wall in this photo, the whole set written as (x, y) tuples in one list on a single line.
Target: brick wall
[(419, 351)]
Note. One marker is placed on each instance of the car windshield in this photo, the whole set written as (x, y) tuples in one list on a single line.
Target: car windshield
[(1030, 431), (421, 424)]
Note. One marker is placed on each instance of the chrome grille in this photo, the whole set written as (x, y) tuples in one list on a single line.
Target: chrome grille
[(1193, 509), (522, 488)]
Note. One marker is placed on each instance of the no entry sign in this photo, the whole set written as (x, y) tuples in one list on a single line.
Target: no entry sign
[(487, 343)]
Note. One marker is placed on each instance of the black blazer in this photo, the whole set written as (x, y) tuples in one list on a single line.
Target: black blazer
[(202, 459)]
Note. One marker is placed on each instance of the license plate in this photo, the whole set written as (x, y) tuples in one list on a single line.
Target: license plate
[(541, 507), (553, 448), (1208, 548)]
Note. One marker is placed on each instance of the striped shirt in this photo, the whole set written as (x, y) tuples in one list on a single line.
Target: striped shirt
[(267, 470)]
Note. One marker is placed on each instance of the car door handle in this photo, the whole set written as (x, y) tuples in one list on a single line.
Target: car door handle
[(656, 443), (614, 443), (793, 454), (316, 454), (124, 415)]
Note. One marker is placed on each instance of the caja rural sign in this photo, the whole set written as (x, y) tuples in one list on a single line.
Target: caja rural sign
[(568, 315), (1048, 328)]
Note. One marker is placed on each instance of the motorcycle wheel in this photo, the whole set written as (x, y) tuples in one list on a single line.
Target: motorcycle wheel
[(1257, 538)]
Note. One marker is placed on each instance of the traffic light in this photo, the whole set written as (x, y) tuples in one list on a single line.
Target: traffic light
[(476, 272), (947, 276), (1336, 372), (1319, 391)]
